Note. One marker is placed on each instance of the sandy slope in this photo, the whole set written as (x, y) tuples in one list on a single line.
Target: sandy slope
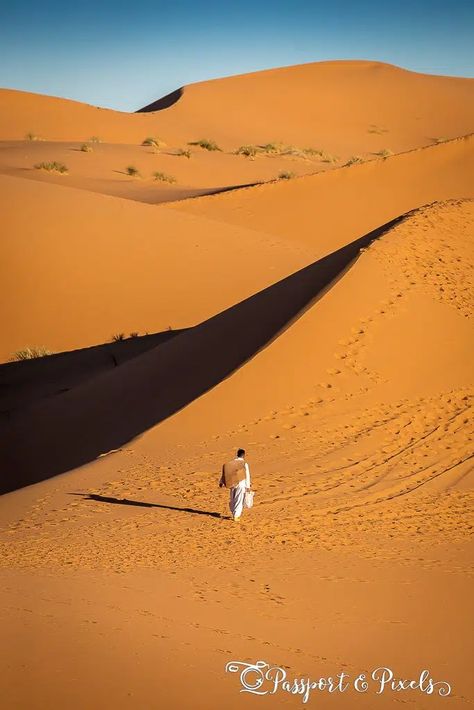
[(325, 104), (122, 582), (341, 109), (117, 266), (360, 447), (281, 226), (329, 210)]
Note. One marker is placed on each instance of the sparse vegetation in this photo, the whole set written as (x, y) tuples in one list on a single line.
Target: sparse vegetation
[(86, 148), (271, 147), (312, 152), (32, 137), (154, 142), (163, 177), (440, 139), (30, 353), (52, 167), (250, 151), (183, 152), (384, 153), (327, 157), (134, 334), (293, 150), (286, 175), (373, 128), (206, 144), (132, 171), (353, 160), (95, 139), (118, 337)]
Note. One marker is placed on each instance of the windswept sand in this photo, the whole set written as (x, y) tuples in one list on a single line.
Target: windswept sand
[(340, 110), (123, 582)]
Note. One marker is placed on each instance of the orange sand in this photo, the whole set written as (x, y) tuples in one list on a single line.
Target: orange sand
[(350, 384)]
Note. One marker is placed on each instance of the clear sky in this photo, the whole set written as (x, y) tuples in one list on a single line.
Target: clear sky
[(124, 54)]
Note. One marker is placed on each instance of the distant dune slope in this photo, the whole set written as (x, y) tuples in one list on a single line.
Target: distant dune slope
[(333, 106), (116, 266), (393, 326), (117, 405), (330, 104), (330, 209), (397, 325), (77, 268)]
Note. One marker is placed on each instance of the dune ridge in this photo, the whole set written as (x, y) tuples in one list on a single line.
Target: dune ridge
[(341, 363), (152, 387), (239, 108), (284, 225)]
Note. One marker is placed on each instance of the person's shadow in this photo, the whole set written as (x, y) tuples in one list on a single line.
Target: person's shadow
[(143, 504)]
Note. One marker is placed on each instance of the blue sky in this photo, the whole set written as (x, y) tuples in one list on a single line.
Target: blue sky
[(125, 54)]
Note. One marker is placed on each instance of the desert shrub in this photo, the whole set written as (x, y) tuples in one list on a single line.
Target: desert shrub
[(286, 175), (294, 151), (117, 337), (86, 148), (52, 167), (183, 152), (250, 151), (384, 153), (327, 157), (30, 353), (154, 142), (132, 171), (163, 177), (206, 144), (312, 152), (95, 139), (32, 137), (440, 139), (353, 160), (271, 147), (373, 128), (134, 334)]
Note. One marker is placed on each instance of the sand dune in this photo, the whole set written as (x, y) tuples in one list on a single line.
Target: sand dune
[(326, 211), (317, 116), (127, 400), (282, 225), (358, 448), (324, 323), (145, 270), (339, 386), (325, 104)]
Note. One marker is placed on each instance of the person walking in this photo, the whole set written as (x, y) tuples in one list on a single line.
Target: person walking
[(236, 477)]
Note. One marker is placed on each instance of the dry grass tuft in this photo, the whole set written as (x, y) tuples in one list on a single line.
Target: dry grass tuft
[(206, 144), (31, 353), (163, 177), (353, 160), (52, 167), (183, 153)]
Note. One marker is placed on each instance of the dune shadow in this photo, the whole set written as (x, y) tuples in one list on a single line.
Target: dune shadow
[(165, 102), (23, 382), (75, 427), (142, 504)]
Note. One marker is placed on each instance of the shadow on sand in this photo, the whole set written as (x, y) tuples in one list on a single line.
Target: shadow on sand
[(164, 102), (26, 381), (71, 429), (142, 504)]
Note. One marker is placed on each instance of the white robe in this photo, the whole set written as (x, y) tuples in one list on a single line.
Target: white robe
[(237, 494)]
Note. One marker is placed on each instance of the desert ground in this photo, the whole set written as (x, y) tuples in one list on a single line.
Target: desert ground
[(300, 284)]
